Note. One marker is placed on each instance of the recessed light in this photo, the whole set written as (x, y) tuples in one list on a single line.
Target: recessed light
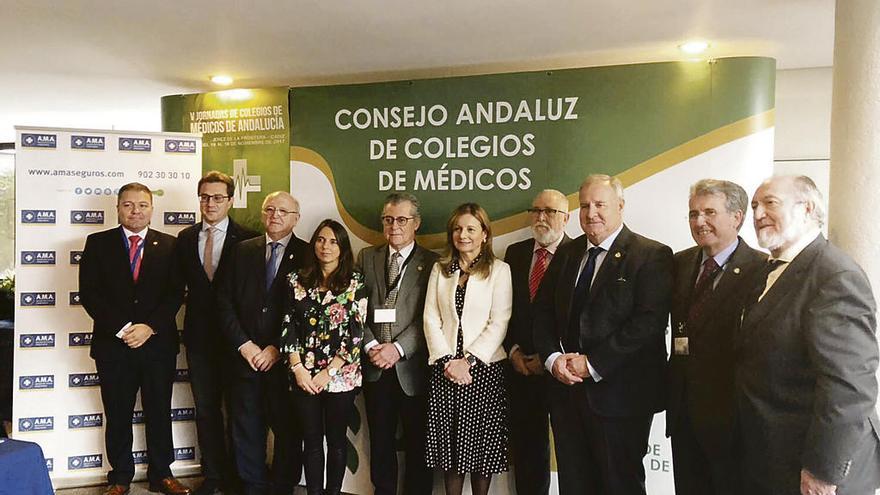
[(694, 47), (222, 80)]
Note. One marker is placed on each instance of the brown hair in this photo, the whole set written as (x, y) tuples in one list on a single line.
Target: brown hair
[(215, 176), (487, 257), (134, 186)]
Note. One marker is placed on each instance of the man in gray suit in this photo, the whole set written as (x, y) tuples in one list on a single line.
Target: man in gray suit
[(806, 377), (395, 374)]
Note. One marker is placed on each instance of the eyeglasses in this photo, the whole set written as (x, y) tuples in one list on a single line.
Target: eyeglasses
[(388, 221), (270, 211), (708, 214), (548, 212), (217, 198)]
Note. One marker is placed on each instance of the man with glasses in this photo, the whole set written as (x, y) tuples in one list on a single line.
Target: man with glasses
[(130, 285), (395, 374), (251, 301), (711, 281), (203, 252), (527, 386)]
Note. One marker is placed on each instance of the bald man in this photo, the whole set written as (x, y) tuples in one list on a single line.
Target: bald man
[(251, 304)]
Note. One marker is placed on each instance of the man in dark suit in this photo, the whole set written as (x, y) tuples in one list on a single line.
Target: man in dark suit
[(203, 252), (130, 286), (395, 375), (806, 377), (251, 302), (711, 282), (526, 383), (600, 319)]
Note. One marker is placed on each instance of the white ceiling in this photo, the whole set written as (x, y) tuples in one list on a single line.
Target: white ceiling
[(180, 43)]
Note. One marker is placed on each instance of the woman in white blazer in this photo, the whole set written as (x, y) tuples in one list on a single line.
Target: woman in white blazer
[(467, 309)]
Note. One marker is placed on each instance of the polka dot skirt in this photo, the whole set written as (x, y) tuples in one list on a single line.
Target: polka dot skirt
[(467, 424)]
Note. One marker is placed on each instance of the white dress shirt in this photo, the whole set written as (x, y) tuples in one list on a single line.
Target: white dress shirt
[(404, 254)]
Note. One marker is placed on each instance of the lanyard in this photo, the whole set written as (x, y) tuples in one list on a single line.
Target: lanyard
[(396, 280)]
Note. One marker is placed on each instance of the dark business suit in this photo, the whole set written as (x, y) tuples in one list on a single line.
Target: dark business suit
[(529, 403), (112, 298), (700, 411), (400, 392), (208, 354), (260, 400), (805, 379), (601, 428)]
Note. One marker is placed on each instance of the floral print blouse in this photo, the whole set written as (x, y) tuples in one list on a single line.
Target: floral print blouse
[(320, 325)]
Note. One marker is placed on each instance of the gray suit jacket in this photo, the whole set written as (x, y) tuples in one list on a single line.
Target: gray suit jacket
[(407, 331), (806, 377)]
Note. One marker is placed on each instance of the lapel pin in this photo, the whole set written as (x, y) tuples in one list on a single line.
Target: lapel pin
[(155, 243), (617, 254), (290, 257), (736, 270), (419, 268)]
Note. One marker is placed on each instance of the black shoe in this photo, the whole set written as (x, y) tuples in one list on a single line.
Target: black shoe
[(208, 487)]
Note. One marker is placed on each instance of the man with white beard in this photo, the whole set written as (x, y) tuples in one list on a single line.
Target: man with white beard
[(806, 375), (529, 418)]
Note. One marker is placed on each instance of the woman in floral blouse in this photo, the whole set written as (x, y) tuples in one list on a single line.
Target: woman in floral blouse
[(323, 329)]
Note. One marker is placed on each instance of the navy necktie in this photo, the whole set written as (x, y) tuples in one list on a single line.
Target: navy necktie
[(270, 265), (579, 300)]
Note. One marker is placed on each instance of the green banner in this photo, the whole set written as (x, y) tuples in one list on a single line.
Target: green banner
[(246, 135), (499, 139)]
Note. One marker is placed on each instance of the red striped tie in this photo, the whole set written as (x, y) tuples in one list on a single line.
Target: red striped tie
[(538, 270), (134, 256)]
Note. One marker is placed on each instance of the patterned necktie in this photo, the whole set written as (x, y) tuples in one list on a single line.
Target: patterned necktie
[(538, 271), (134, 256), (703, 287), (391, 297), (271, 269), (209, 252)]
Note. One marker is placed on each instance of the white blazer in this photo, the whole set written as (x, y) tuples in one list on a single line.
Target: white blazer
[(487, 305)]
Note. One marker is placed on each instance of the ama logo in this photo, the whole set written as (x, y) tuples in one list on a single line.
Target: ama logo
[(180, 218), (183, 414), (74, 299), (85, 420), (38, 216), (87, 217), (36, 340), (84, 461), (181, 375), (184, 454), (38, 257), (42, 423), (38, 299), (79, 339), (36, 382), (180, 146), (39, 140), (75, 257), (87, 142), (50, 464), (135, 144), (83, 380), (140, 457), (137, 417)]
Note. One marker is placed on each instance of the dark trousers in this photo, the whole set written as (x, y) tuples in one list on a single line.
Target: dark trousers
[(529, 432), (120, 381), (696, 472), (321, 416), (386, 405), (209, 380), (262, 400), (595, 454)]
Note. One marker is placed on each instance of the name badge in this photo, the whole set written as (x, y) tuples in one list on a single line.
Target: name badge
[(681, 346), (384, 315)]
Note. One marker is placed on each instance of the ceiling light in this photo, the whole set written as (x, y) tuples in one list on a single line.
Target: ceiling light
[(222, 80), (694, 47)]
